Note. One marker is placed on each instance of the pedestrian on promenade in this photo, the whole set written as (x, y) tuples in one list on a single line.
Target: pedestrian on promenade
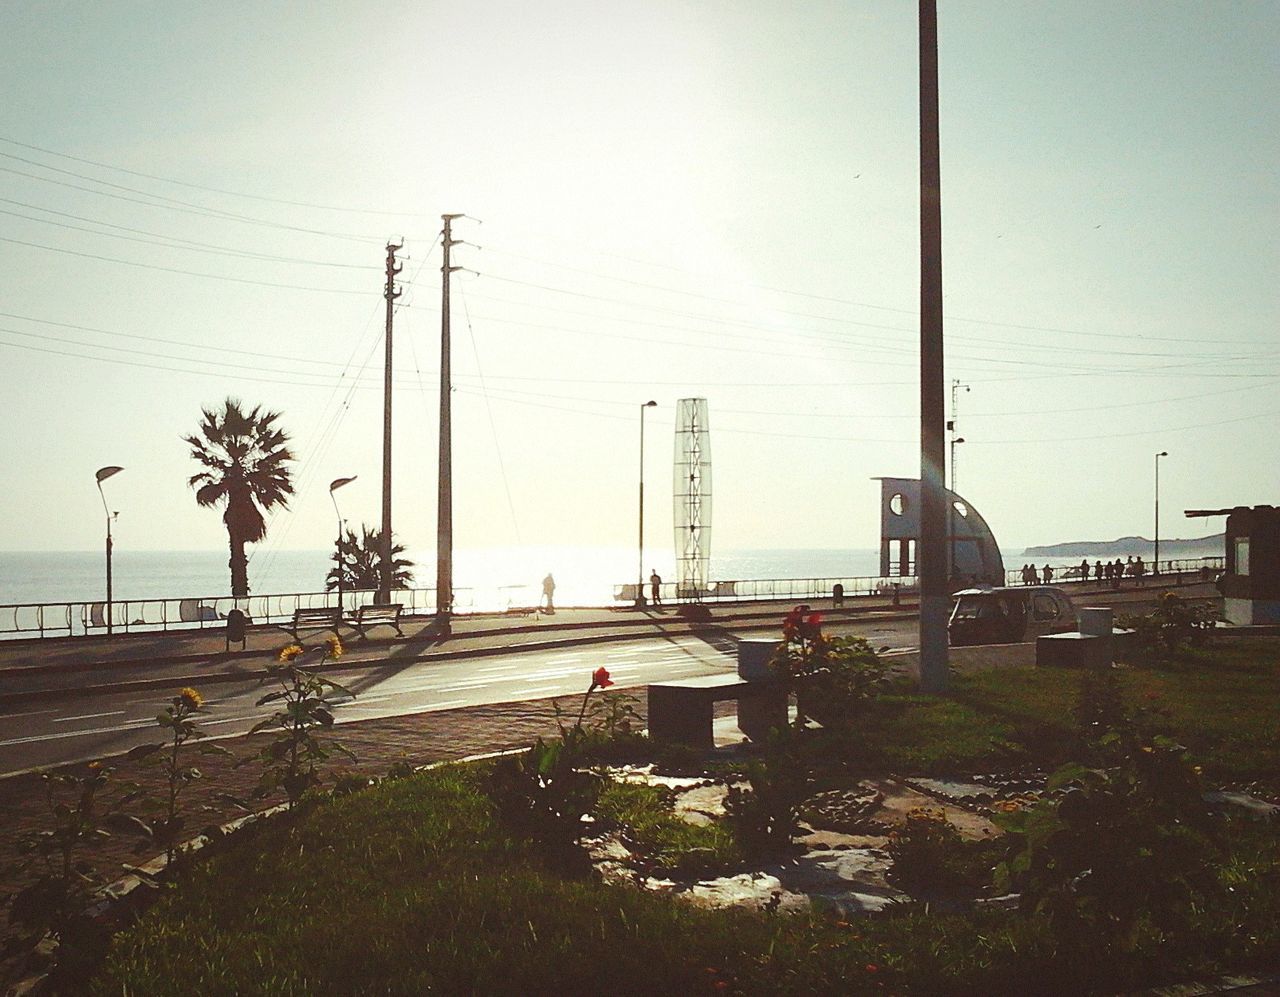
[(549, 593), (1097, 573), (655, 587), (1048, 574), (1117, 573), (1084, 570)]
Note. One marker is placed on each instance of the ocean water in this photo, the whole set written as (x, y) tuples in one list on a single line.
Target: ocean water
[(584, 576)]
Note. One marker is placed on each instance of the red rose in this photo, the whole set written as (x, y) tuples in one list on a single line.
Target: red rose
[(600, 678)]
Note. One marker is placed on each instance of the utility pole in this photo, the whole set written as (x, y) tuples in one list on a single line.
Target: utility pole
[(444, 503), (384, 554), (931, 568)]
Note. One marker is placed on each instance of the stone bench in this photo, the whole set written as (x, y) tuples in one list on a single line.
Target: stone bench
[(681, 710)]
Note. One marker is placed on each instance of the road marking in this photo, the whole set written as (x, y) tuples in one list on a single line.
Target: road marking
[(31, 713), (88, 716)]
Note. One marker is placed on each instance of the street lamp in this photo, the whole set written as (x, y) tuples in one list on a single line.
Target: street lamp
[(1155, 568), (102, 475), (640, 572), (334, 485)]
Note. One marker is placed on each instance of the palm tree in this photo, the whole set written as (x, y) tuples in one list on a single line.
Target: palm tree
[(358, 560), (246, 469)]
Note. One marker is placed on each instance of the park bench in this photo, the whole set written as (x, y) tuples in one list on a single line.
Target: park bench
[(323, 618), (681, 710), (377, 614)]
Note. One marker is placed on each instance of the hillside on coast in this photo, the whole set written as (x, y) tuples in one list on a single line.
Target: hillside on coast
[(1210, 546)]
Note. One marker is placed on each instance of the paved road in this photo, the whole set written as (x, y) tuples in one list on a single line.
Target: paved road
[(79, 727)]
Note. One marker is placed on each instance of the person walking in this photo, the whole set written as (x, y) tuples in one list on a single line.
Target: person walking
[(1048, 574), (549, 593), (655, 588), (1084, 570), (1098, 573)]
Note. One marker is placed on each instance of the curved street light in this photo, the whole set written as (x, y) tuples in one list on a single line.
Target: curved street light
[(334, 485), (640, 574), (102, 474)]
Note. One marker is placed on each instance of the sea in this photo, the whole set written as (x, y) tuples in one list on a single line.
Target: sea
[(490, 577)]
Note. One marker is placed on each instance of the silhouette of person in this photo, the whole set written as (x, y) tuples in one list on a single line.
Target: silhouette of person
[(549, 592), (1097, 572), (655, 588), (1048, 574), (1084, 570)]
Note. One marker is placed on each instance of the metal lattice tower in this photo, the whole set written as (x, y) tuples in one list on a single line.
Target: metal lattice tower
[(692, 506)]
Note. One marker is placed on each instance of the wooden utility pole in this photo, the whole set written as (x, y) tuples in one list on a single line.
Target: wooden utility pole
[(444, 503), (931, 558), (384, 553)]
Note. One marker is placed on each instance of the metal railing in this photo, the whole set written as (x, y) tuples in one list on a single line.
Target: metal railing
[(1174, 571), (761, 589), (62, 619)]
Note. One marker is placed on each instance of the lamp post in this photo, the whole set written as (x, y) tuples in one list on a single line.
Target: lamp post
[(102, 475), (334, 485), (1155, 568), (640, 571)]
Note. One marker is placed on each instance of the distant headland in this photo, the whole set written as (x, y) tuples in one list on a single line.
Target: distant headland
[(1210, 546)]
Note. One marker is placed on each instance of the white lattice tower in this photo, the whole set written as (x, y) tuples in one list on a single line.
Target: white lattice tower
[(692, 506)]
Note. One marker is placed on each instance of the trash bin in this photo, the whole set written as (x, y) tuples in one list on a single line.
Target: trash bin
[(235, 628)]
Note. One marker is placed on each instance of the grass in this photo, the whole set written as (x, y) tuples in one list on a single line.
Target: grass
[(1219, 701), (647, 819), (413, 886)]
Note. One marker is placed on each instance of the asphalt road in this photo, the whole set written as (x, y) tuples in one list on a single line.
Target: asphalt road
[(79, 727)]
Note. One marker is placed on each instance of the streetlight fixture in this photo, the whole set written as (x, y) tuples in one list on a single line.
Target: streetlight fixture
[(1155, 568), (640, 572), (102, 475), (334, 485)]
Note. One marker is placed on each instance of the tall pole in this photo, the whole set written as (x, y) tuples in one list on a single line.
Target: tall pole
[(640, 571), (444, 493), (956, 385), (102, 475), (1155, 567), (384, 553), (931, 559)]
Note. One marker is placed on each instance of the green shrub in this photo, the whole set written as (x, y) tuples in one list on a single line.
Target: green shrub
[(834, 679)]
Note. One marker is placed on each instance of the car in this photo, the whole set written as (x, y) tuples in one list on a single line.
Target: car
[(1009, 615)]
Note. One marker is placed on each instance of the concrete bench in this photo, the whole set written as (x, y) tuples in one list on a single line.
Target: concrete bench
[(681, 710), (375, 614), (324, 618)]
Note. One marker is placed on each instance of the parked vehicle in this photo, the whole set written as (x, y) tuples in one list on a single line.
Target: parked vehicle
[(1009, 615)]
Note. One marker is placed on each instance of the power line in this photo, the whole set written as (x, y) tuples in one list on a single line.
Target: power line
[(196, 186), (170, 242), (178, 270), (188, 209)]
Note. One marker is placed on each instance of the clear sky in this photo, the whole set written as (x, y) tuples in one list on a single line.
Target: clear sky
[(678, 199)]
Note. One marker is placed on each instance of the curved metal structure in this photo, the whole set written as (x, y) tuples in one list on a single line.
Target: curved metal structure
[(973, 556), (692, 506)]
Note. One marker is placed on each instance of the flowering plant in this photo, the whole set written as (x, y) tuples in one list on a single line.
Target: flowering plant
[(178, 720), (833, 678), (291, 759)]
